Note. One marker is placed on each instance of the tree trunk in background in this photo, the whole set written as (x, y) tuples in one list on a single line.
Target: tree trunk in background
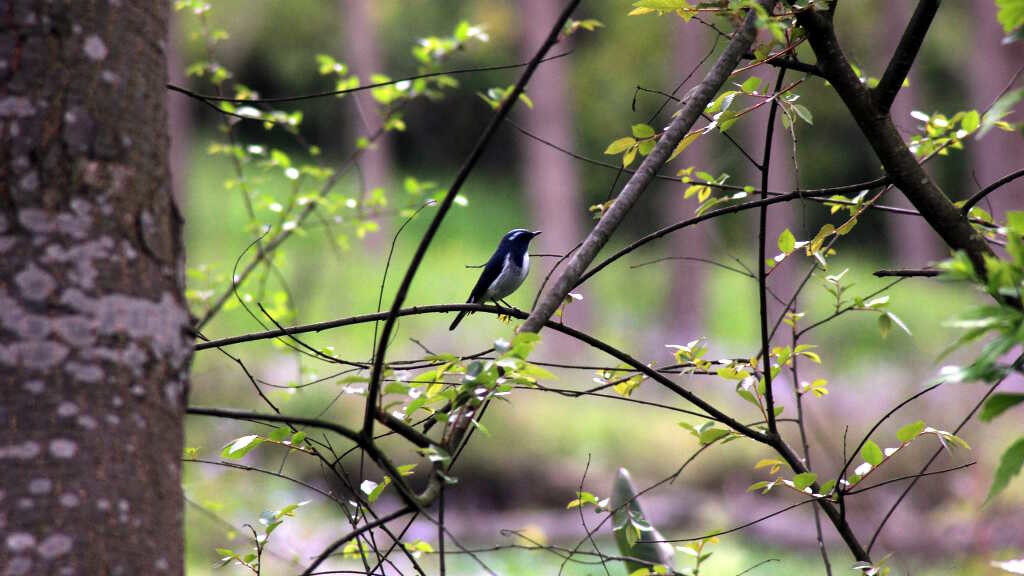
[(94, 349), (552, 185), (686, 302), (913, 243), (363, 55), (998, 153)]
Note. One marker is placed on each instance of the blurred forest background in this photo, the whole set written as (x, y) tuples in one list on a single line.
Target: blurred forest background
[(523, 473)]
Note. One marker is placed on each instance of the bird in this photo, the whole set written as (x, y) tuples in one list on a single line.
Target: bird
[(504, 272)]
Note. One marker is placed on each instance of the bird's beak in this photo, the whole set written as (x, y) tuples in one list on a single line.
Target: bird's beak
[(536, 233)]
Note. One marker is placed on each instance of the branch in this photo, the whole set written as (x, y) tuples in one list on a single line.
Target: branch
[(990, 189), (786, 63), (762, 274), (510, 100), (799, 194), (277, 100), (887, 143), (906, 53), (598, 237), (353, 534), (907, 273), (247, 415), (874, 537)]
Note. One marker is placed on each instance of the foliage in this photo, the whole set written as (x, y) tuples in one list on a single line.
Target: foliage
[(409, 397), (1003, 325)]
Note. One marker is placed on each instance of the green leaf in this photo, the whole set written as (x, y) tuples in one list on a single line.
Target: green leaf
[(523, 343), (804, 479), (884, 324), (758, 485), (871, 453), (712, 435), (910, 431), (642, 131), (280, 434), (786, 242), (896, 320), (998, 404), (1011, 14), (619, 146), (803, 113), (751, 84), (1003, 106), (1009, 466), (240, 446), (628, 157), (971, 121), (828, 486), (684, 143)]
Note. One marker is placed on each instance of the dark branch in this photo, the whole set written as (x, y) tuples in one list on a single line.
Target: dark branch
[(762, 273), (787, 64), (354, 534), (907, 273), (906, 53), (990, 189)]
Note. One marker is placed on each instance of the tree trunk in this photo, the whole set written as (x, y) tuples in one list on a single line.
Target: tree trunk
[(552, 185), (913, 242), (363, 54), (689, 278), (94, 349)]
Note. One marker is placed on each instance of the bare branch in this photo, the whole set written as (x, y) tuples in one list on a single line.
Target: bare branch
[(208, 98), (354, 534), (906, 53), (990, 189), (762, 274), (907, 273)]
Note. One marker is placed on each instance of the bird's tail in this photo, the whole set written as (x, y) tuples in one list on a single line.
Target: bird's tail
[(458, 319)]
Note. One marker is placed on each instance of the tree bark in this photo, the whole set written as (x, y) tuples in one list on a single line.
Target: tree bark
[(94, 348), (552, 184)]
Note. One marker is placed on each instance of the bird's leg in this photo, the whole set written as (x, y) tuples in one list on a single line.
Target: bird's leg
[(507, 305), (503, 317)]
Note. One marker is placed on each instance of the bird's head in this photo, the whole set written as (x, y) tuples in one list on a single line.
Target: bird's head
[(519, 237)]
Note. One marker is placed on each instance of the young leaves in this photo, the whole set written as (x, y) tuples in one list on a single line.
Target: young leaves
[(1009, 466)]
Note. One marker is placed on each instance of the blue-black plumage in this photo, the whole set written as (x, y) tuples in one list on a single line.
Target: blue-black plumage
[(504, 272)]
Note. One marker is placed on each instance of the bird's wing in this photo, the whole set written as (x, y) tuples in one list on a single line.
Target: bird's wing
[(490, 273)]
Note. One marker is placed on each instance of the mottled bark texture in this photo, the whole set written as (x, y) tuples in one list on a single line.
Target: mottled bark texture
[(94, 352)]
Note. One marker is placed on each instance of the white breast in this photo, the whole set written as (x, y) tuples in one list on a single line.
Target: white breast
[(509, 280)]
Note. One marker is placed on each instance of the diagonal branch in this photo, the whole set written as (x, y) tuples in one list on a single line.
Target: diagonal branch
[(981, 194), (906, 53), (599, 236)]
